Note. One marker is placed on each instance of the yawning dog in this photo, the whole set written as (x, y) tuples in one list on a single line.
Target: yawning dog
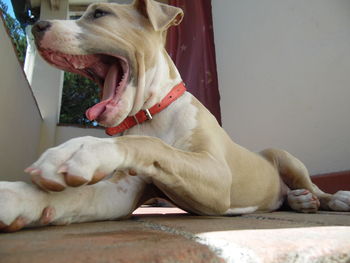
[(172, 146)]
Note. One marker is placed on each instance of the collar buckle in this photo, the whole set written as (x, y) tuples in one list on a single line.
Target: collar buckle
[(148, 114)]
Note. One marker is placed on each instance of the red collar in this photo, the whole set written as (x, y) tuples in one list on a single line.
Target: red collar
[(144, 115)]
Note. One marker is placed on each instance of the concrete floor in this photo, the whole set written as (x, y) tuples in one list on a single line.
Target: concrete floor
[(170, 235)]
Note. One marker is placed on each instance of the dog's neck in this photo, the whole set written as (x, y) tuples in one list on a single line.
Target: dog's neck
[(175, 123), (147, 114), (155, 82)]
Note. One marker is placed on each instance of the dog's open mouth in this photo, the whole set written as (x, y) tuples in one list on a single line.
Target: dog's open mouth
[(111, 73)]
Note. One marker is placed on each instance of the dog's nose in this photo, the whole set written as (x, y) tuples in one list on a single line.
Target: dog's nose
[(39, 28)]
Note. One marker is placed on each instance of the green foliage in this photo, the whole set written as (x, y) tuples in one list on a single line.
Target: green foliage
[(16, 31), (79, 93)]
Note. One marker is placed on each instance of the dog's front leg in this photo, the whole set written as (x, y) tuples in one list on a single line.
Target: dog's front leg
[(104, 200), (23, 205), (198, 182)]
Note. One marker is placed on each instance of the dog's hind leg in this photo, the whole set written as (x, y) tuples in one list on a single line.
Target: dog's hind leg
[(303, 195)]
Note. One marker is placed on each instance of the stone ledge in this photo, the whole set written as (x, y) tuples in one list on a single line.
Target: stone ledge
[(171, 235)]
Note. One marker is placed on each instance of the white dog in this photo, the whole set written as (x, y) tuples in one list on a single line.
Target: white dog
[(172, 146)]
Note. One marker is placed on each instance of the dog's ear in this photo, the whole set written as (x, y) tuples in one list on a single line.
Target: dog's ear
[(161, 16)]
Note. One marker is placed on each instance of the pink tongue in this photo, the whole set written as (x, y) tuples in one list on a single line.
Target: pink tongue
[(96, 110), (108, 92)]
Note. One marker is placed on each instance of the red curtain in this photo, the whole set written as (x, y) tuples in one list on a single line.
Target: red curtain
[(191, 46)]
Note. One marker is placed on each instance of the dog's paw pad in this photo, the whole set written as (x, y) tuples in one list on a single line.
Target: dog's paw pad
[(47, 215), (303, 200), (16, 225), (47, 184), (98, 176), (74, 180)]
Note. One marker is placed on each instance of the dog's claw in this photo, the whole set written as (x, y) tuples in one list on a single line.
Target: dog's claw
[(62, 169), (29, 169)]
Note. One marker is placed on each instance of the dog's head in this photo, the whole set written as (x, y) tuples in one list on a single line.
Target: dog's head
[(117, 46)]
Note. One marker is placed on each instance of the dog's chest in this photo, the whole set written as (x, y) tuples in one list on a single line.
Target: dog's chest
[(174, 125)]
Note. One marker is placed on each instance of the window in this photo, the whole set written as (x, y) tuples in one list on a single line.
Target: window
[(79, 94)]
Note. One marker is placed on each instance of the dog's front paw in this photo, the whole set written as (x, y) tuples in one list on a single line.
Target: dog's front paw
[(21, 205), (340, 201), (84, 160)]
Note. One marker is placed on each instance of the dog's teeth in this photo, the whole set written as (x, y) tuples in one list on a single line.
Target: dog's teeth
[(78, 65)]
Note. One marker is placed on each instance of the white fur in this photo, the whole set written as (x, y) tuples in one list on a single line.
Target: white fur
[(155, 85), (20, 199), (81, 157), (241, 210), (102, 201), (172, 130), (64, 37), (340, 201), (155, 82)]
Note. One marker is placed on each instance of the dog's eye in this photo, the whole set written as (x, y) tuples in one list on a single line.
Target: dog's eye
[(99, 13)]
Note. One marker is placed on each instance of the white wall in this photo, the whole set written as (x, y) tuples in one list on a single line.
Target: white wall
[(19, 119), (47, 82), (64, 133), (284, 76)]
